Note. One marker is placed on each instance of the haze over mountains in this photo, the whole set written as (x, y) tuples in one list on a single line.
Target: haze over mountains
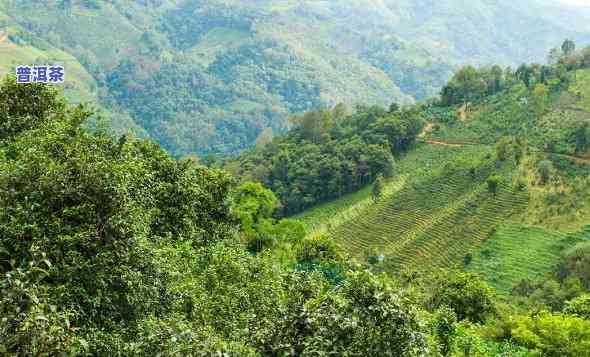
[(211, 76)]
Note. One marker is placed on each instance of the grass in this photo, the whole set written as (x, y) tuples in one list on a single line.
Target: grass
[(517, 252), (414, 165)]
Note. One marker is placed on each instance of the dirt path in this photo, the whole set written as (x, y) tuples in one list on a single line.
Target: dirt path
[(576, 159), (4, 40), (427, 129), (442, 143)]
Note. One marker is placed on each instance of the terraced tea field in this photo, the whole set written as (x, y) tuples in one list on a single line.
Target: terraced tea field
[(410, 169), (516, 252), (430, 227)]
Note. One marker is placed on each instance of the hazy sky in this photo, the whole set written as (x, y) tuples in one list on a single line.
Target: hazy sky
[(574, 2)]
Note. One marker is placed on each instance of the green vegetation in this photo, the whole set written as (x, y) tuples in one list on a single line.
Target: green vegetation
[(515, 252), (329, 153), (210, 76), (448, 207), (416, 163), (544, 104), (453, 227), (111, 247)]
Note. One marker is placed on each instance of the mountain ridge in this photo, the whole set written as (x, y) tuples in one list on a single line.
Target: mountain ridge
[(245, 67)]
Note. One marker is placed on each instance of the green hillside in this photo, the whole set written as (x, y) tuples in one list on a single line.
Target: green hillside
[(515, 252), (209, 76), (439, 209), (453, 227), (435, 219)]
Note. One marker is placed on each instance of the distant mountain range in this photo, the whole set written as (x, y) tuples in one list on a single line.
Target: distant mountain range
[(210, 76)]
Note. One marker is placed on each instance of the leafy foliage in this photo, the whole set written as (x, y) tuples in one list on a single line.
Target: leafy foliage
[(579, 306), (328, 154), (465, 293), (554, 335), (210, 76)]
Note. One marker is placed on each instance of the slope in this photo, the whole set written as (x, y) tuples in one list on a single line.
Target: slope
[(209, 76), (450, 216), (436, 219)]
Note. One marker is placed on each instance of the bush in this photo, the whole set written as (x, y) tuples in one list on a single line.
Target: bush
[(465, 293), (575, 263), (367, 317), (26, 106), (30, 324), (493, 183), (318, 249), (554, 335), (579, 307), (545, 167), (445, 329)]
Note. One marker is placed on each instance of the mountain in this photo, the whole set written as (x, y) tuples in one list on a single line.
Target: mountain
[(451, 227), (211, 76)]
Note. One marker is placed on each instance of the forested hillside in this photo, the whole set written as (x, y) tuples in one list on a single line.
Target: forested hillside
[(476, 247), (212, 76), (110, 247)]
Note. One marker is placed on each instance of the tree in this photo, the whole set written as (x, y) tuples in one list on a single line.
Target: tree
[(253, 204), (389, 165), (394, 107), (445, 329), (575, 263), (503, 148), (582, 135), (365, 316), (467, 85), (314, 125), (579, 307), (553, 335), (525, 74), (497, 79), (27, 106), (568, 47), (377, 188), (545, 167), (493, 183), (540, 98), (318, 249), (554, 56), (289, 230), (77, 218), (465, 293)]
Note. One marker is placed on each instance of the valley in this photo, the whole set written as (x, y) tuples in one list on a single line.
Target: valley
[(296, 178), (211, 76)]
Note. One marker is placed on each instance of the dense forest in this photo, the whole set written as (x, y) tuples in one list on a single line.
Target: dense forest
[(111, 247), (329, 153), (214, 76)]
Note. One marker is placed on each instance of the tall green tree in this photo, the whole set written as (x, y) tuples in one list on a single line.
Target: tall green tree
[(377, 190), (568, 47)]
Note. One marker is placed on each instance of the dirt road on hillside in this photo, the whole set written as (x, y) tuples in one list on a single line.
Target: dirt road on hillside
[(455, 143)]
